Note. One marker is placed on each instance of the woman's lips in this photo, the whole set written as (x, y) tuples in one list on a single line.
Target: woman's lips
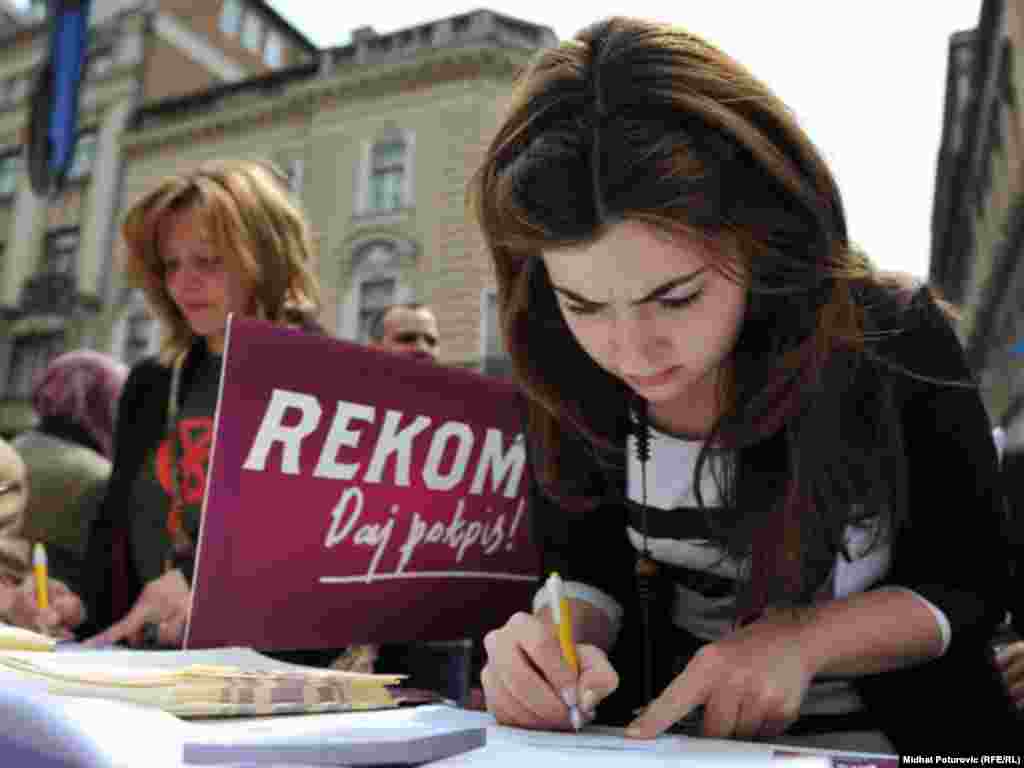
[(657, 380)]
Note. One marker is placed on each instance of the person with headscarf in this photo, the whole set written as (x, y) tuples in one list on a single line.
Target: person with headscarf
[(68, 455)]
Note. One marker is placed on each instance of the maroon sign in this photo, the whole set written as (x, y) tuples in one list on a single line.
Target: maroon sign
[(357, 496)]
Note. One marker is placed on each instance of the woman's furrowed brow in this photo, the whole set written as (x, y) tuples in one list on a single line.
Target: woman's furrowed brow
[(654, 295)]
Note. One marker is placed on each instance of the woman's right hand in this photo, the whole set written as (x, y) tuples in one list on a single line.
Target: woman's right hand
[(64, 614), (527, 683)]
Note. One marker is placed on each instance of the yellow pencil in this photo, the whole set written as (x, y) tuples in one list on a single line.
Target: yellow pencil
[(563, 623), (39, 566)]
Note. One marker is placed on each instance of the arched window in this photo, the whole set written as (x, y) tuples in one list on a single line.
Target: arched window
[(376, 282), (374, 295)]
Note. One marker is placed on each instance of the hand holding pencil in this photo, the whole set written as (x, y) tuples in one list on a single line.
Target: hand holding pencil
[(542, 673), (563, 625), (43, 604)]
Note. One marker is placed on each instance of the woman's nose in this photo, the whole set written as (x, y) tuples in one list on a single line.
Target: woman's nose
[(638, 345), (187, 276)]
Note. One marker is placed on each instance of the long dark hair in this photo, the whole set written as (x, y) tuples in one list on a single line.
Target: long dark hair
[(642, 121)]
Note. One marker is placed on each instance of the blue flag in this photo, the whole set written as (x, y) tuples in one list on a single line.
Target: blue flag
[(69, 45), (53, 121)]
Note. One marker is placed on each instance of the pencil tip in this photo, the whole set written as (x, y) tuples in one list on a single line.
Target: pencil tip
[(576, 718)]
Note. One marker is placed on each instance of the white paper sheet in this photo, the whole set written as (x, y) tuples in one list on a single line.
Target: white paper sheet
[(596, 746), (88, 733), (91, 733)]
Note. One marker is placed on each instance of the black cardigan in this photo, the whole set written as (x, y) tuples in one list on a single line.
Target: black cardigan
[(112, 581), (950, 552)]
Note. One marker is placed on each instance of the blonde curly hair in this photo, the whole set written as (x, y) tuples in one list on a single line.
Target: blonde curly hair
[(252, 219)]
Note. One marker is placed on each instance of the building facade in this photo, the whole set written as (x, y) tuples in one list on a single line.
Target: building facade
[(378, 139), (58, 256), (977, 256)]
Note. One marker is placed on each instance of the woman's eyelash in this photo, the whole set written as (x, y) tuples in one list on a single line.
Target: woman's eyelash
[(680, 302), (591, 309)]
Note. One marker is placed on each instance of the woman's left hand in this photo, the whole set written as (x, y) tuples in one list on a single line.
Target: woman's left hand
[(1010, 661), (751, 683), (165, 603)]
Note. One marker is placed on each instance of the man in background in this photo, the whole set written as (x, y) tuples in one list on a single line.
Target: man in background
[(408, 329)]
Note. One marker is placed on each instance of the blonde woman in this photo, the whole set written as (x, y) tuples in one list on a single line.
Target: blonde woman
[(225, 238)]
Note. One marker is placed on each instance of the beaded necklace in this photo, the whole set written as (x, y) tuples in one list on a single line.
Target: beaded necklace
[(646, 567)]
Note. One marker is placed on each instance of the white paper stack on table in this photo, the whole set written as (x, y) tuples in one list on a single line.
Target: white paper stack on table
[(229, 682), (410, 736), (18, 639), (45, 730)]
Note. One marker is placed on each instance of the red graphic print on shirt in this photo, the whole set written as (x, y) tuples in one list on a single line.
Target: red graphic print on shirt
[(194, 438)]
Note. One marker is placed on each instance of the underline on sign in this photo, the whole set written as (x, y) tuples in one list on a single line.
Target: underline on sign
[(426, 575)]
